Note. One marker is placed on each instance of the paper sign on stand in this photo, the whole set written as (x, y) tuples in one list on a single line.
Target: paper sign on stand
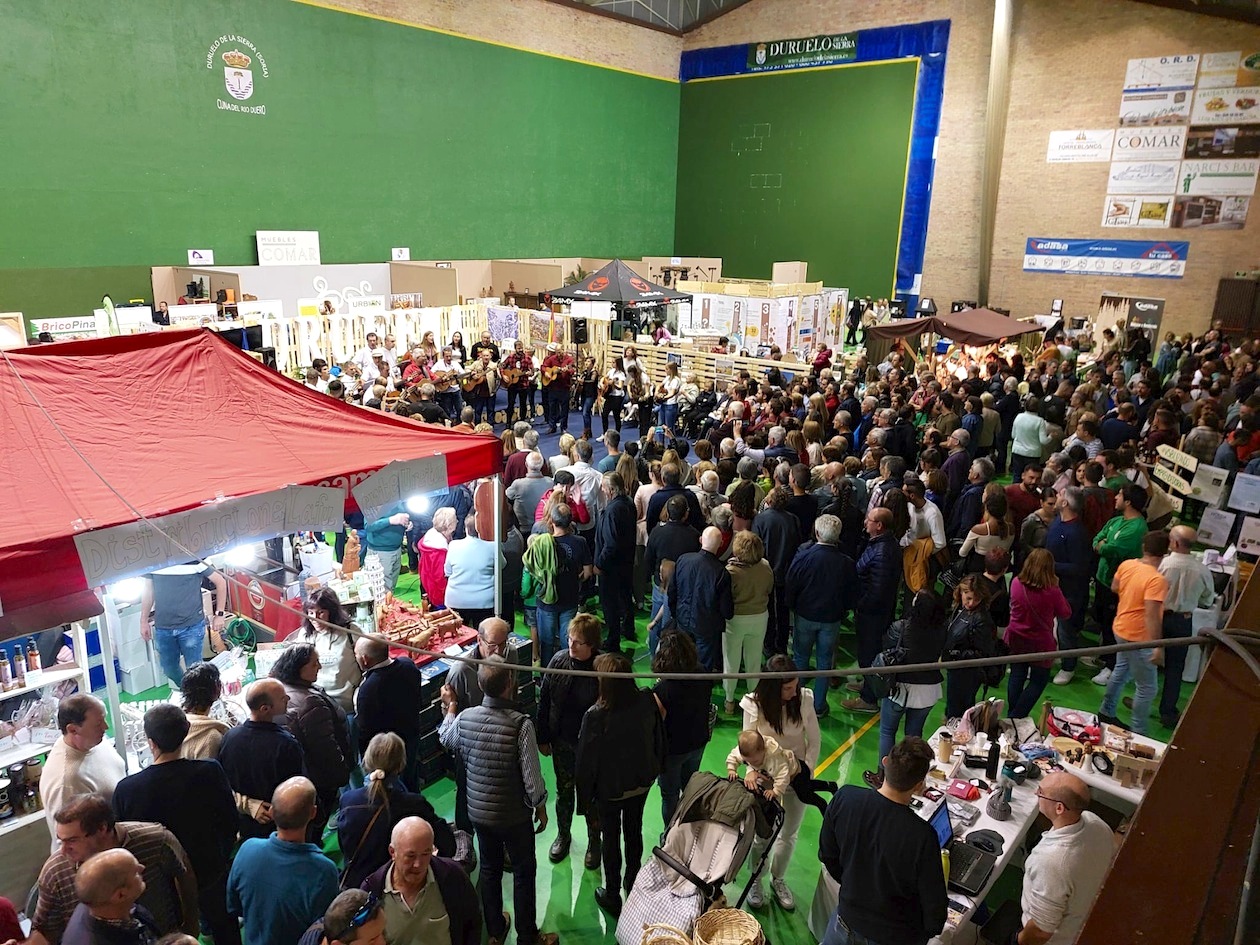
[(192, 315), (1215, 527), (1164, 474), (1209, 484), (201, 257), (1246, 494), (1249, 537)]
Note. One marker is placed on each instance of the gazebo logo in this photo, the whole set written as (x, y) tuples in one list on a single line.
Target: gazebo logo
[(598, 284)]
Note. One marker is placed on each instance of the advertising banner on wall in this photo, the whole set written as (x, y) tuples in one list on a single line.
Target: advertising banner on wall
[(1210, 213), (795, 53), (1227, 70), (1162, 72), (288, 247), (1150, 144), (1142, 177), (1239, 141), (68, 329), (1159, 107), (1164, 259), (1226, 106), (1080, 146), (1218, 177), (1142, 211)]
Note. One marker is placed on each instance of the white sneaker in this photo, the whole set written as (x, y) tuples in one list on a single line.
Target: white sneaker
[(1063, 677), (783, 895), (1103, 677), (756, 896)]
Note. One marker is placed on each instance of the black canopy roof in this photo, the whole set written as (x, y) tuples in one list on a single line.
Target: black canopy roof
[(617, 282)]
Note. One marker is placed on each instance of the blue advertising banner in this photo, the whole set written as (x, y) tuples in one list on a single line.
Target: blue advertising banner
[(1150, 259)]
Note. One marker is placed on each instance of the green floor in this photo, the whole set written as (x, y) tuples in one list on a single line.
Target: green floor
[(566, 902)]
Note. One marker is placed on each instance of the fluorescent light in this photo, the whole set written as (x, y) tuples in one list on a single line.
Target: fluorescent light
[(127, 591), (418, 504)]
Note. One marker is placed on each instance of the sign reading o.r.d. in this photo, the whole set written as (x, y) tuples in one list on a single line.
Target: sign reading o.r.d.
[(288, 247)]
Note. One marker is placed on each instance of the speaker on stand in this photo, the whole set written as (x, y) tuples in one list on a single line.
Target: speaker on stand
[(580, 334)]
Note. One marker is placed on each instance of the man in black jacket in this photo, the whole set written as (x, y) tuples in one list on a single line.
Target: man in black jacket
[(780, 532), (879, 576), (885, 857), (671, 479), (821, 590), (194, 801), (967, 508), (404, 882), (258, 756), (700, 598), (665, 546), (388, 700), (614, 562)]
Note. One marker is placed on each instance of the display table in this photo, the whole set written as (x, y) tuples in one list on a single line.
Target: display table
[(1105, 787), (959, 929)]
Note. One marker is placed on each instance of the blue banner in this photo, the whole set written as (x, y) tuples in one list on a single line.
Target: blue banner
[(1149, 259)]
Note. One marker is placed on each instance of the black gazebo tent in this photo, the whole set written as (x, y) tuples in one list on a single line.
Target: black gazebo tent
[(619, 284)]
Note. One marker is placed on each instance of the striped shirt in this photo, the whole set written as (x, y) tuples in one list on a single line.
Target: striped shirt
[(164, 863)]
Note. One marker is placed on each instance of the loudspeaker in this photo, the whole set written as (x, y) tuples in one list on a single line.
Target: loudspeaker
[(580, 336)]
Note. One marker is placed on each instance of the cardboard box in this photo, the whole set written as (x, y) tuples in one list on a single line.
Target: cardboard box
[(136, 681)]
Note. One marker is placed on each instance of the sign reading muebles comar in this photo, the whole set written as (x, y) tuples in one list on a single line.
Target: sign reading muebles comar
[(795, 53)]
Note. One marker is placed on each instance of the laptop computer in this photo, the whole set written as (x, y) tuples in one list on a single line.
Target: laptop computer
[(969, 867)]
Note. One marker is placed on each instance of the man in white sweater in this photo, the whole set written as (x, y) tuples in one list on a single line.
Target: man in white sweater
[(1066, 868), (78, 762)]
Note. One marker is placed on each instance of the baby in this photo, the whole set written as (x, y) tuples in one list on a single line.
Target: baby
[(772, 769)]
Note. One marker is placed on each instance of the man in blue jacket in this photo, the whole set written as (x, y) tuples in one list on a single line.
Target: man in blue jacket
[(821, 590), (614, 562), (385, 538), (879, 575), (700, 598), (388, 700)]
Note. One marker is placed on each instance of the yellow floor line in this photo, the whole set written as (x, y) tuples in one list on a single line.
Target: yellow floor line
[(846, 745)]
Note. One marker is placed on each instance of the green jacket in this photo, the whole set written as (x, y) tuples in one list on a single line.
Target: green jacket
[(1119, 540)]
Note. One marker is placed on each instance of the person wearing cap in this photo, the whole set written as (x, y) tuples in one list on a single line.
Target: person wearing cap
[(354, 916), (556, 393), (1066, 868), (363, 357)]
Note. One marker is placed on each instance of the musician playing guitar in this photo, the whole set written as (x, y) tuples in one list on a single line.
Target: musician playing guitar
[(415, 370), (445, 374), (517, 374), (589, 379), (482, 383), (613, 389), (557, 373)]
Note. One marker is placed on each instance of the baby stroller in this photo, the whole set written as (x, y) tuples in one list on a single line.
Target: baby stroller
[(706, 843)]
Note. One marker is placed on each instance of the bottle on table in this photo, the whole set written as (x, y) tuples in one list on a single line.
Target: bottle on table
[(19, 666), (33, 662), (6, 672)]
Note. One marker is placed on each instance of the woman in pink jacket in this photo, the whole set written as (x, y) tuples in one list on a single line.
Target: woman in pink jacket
[(1036, 602), (432, 549)]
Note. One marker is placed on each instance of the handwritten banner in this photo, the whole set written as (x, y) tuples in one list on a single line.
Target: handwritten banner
[(136, 548), (399, 481)]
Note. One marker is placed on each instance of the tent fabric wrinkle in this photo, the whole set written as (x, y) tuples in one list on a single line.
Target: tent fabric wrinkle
[(170, 420), (973, 326)]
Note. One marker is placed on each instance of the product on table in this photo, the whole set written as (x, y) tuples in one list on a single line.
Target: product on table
[(414, 625)]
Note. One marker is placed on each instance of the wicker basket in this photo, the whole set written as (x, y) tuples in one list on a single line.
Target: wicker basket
[(728, 927), (664, 935)]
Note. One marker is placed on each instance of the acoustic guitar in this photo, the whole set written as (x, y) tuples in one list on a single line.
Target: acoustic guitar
[(472, 380), (552, 374), (442, 380), (514, 376)]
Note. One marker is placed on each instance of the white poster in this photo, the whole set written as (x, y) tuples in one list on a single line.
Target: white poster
[(69, 329), (288, 247), (1226, 106), (1208, 484), (1150, 144), (1218, 178), (1215, 527), (1249, 536), (1210, 213), (1080, 146), (1246, 493), (366, 306), (1142, 177), (1162, 72), (1220, 70), (259, 309), (1142, 109), (193, 315), (1144, 211)]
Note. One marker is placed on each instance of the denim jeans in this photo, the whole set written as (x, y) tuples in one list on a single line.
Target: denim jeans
[(552, 627), (588, 411), (174, 642), (811, 633), (484, 407), (391, 564), (557, 402), (674, 776), (1136, 664), (452, 403), (518, 843), (1024, 687), (660, 602), (840, 934), (669, 416), (890, 714), (1175, 625), (1068, 632)]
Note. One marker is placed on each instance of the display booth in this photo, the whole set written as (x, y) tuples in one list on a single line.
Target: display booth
[(974, 327), (206, 450), (757, 315)]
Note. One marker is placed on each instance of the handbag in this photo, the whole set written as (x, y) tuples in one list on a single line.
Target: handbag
[(341, 881), (713, 717), (1071, 723), (883, 685)]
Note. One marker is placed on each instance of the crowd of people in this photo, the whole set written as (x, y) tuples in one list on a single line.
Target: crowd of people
[(862, 496)]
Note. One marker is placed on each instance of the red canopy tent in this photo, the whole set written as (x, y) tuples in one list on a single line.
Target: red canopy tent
[(971, 326), (170, 420)]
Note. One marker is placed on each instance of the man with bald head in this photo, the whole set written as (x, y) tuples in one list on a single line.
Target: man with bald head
[(388, 700), (1190, 586), (258, 755), (879, 575), (420, 890), (1067, 867), (700, 598), (281, 885), (108, 885)]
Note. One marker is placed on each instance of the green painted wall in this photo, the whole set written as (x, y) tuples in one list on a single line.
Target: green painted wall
[(54, 293), (797, 165), (377, 135)]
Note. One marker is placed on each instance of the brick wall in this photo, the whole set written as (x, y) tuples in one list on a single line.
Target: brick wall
[(540, 26), (1068, 62)]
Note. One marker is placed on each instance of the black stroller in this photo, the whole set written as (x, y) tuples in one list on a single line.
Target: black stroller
[(705, 846)]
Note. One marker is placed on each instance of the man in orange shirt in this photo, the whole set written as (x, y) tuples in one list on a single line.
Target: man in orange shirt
[(1141, 590)]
